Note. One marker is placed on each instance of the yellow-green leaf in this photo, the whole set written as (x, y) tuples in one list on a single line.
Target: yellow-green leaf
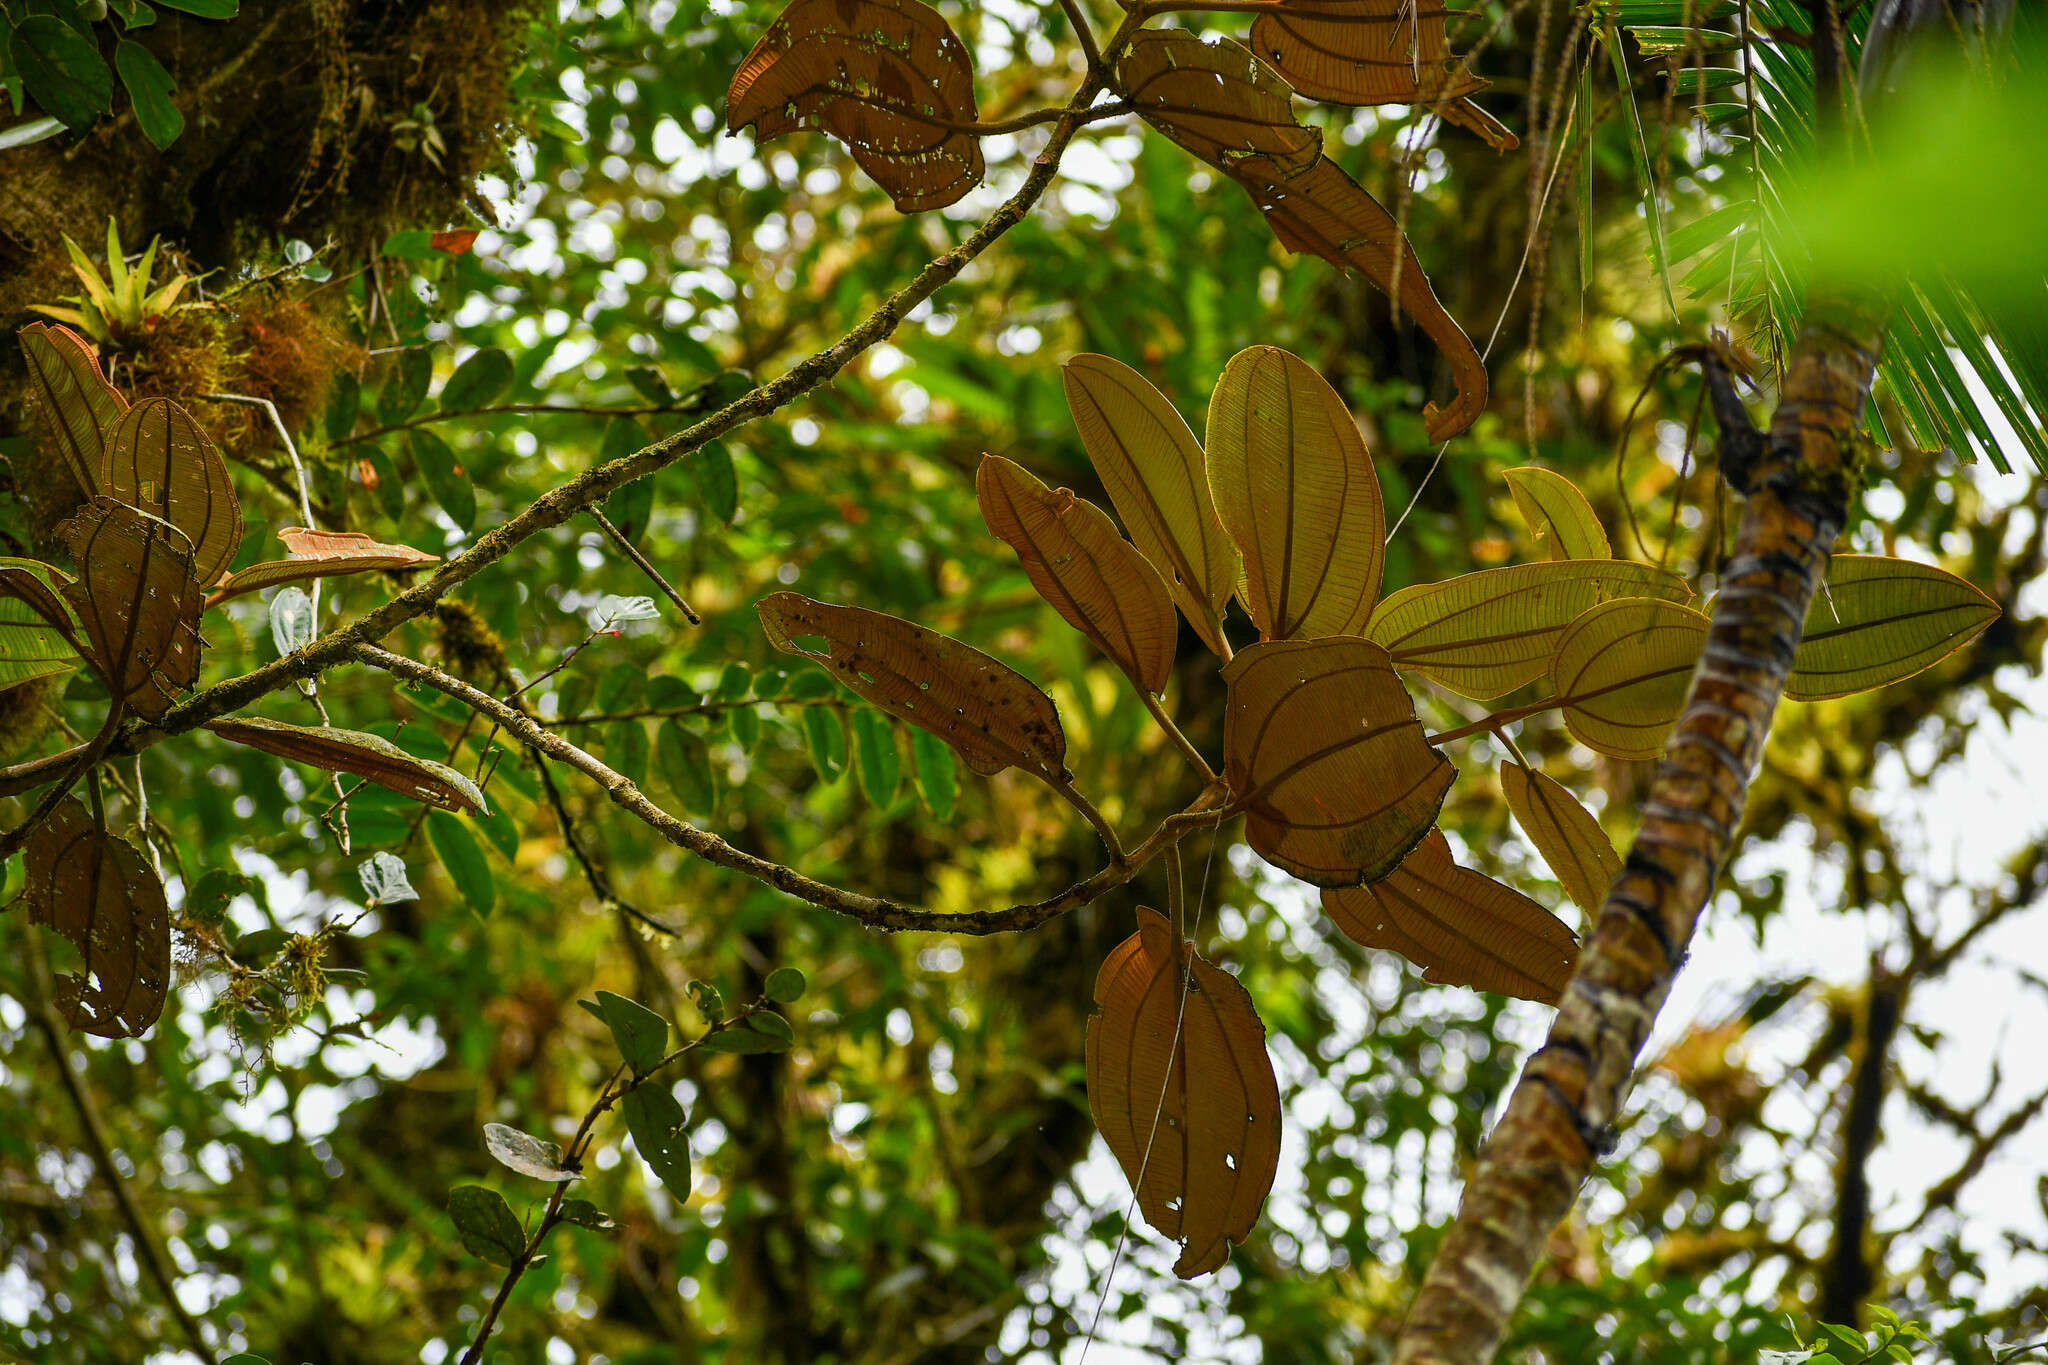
[(36, 625), (1622, 673), (1295, 487), (1564, 832), (1881, 620), (1487, 633), (1560, 519)]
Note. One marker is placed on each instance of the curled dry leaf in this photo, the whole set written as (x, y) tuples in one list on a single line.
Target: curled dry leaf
[(1461, 927), (1326, 759), (1153, 470), (1374, 52), (1560, 519), (161, 460), (886, 77), (96, 890), (366, 756), (1622, 673), (1564, 832), (1184, 1097), (137, 602), (1296, 489), (1485, 634), (77, 401), (1881, 620), (320, 554), (992, 715), (1091, 575)]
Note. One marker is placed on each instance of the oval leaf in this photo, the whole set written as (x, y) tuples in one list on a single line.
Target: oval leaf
[(1564, 832), (352, 751), (1326, 759), (657, 1122), (1487, 633), (97, 891), (485, 1223), (78, 403), (1216, 99), (1295, 487), (1881, 620), (159, 458), (1461, 928), (993, 716), (525, 1153), (1155, 476), (137, 602), (320, 554), (463, 859), (641, 1034), (1091, 575), (1185, 1097), (876, 757), (886, 77), (36, 627), (1560, 519), (1622, 673)]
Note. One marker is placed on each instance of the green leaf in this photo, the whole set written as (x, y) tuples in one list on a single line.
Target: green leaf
[(784, 984), (413, 244), (344, 403), (735, 683), (133, 14), (826, 735), (485, 1223), (938, 780), (772, 1024), (243, 1359), (585, 1214), (478, 381), (406, 388), (447, 481), (628, 508), (501, 830), (709, 1002), (464, 860), (642, 1035), (205, 9), (656, 1121), (208, 899), (717, 483), (1849, 1338), (744, 1041), (150, 87), (876, 756), (62, 70), (686, 767), (620, 688), (1879, 620), (625, 748), (647, 381), (31, 647)]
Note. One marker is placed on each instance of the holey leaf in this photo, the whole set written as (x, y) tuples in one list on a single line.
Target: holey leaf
[(320, 554), (1461, 927), (77, 402), (1560, 519), (1156, 478), (1091, 575), (137, 602), (1564, 832), (1326, 759), (1295, 488), (886, 77), (1185, 1097), (1881, 620), (1485, 634), (96, 890), (161, 460), (1622, 672), (351, 751), (993, 716)]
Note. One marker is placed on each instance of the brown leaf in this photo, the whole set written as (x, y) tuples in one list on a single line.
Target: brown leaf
[(993, 716), (1184, 1097), (77, 401), (1092, 576), (886, 77), (1216, 99), (1460, 927), (161, 460), (1564, 832), (1374, 52), (320, 554), (137, 602), (454, 241), (1155, 475), (366, 756), (1622, 673), (96, 890), (1326, 759), (1296, 489)]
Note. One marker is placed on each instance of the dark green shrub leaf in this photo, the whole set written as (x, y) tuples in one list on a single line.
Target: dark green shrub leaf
[(656, 1122), (464, 860), (743, 1041), (642, 1035), (485, 1223), (784, 984), (686, 767), (61, 69), (826, 735), (478, 381), (717, 483), (446, 480), (406, 388), (874, 748), (938, 778), (772, 1024), (149, 86), (585, 1214), (625, 748)]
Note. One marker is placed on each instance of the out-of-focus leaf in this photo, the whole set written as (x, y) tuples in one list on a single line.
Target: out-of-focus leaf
[(1622, 672), (1564, 832), (464, 861), (825, 734), (97, 891), (784, 985), (320, 554), (137, 602), (585, 1214), (1880, 620), (685, 765), (1559, 517), (159, 459), (658, 1125), (478, 381), (485, 1223), (717, 482), (937, 779), (641, 1034), (447, 481), (405, 388), (77, 402), (525, 1153), (61, 69), (1185, 1096), (876, 757), (352, 751), (745, 1042)]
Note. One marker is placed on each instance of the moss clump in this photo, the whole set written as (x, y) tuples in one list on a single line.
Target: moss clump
[(469, 647), (24, 718)]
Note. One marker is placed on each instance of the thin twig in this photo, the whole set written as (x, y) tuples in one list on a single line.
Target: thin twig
[(641, 562)]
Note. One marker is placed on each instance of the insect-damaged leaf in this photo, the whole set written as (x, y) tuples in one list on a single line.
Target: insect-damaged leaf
[(1185, 1098), (1091, 575), (1153, 470), (1326, 759), (886, 77), (77, 401), (1564, 832), (1487, 633), (161, 460), (1881, 620), (36, 627), (1296, 489), (993, 716), (351, 751), (1460, 927), (96, 890), (320, 554), (1374, 52), (137, 602), (1622, 672), (1559, 517)]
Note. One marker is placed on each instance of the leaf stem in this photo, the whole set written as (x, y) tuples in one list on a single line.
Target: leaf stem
[(1492, 723), (1072, 796), (1180, 741), (641, 562)]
